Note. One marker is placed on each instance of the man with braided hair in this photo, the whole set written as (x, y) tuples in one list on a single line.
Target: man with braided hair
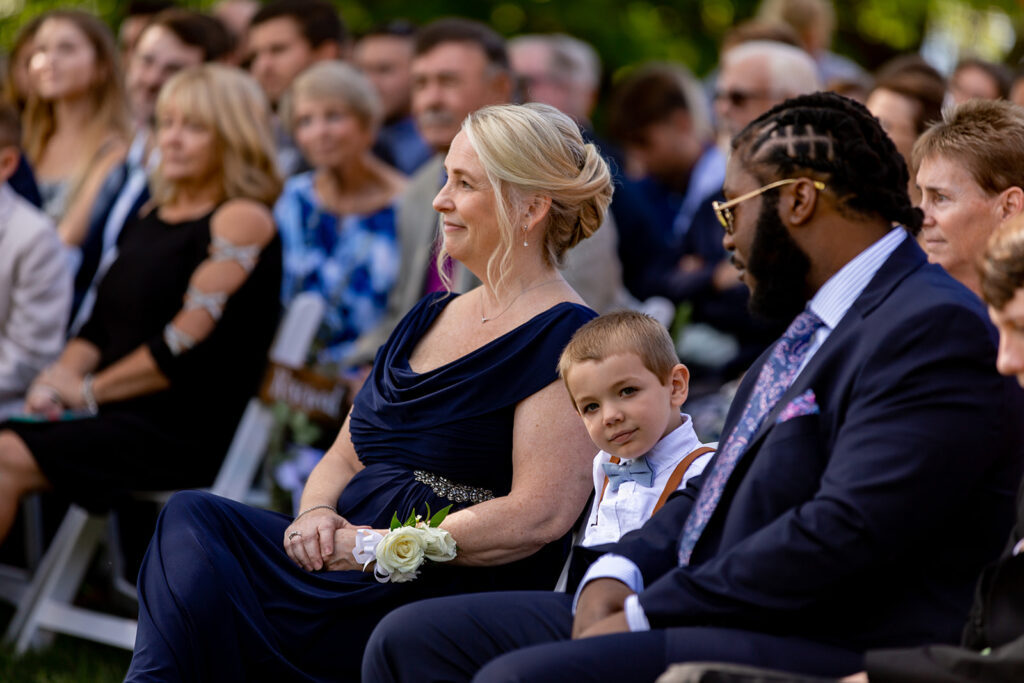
[(865, 478)]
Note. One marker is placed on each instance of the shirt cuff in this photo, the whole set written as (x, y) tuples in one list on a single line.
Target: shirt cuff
[(612, 566), (635, 616)]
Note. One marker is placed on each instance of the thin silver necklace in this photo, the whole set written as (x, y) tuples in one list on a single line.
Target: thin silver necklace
[(485, 319)]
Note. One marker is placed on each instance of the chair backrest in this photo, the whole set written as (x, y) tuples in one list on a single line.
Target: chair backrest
[(297, 329), (45, 604), (291, 344)]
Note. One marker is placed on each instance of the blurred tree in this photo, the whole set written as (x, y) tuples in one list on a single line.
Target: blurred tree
[(624, 32)]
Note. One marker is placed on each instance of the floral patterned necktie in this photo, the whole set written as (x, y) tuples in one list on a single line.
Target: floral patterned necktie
[(776, 375)]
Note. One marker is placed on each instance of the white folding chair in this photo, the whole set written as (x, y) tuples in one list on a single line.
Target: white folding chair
[(46, 605), (14, 580)]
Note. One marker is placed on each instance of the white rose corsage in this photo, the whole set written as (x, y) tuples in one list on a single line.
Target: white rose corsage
[(401, 551)]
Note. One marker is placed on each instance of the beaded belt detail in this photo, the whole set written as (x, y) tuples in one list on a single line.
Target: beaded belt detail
[(446, 488)]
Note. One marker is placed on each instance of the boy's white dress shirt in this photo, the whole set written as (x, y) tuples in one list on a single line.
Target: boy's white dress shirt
[(618, 512)]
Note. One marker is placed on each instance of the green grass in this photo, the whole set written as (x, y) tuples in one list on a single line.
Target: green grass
[(68, 660)]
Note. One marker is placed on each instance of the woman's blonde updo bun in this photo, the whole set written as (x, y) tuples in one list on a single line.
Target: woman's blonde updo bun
[(534, 149)]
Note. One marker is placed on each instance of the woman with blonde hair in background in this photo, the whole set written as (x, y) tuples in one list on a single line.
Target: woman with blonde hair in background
[(463, 407), (76, 119), (148, 395)]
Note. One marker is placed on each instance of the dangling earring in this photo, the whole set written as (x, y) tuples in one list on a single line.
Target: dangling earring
[(525, 243)]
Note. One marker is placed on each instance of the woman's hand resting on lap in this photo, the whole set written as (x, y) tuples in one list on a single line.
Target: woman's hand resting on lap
[(55, 389), (310, 539), (43, 400), (344, 543)]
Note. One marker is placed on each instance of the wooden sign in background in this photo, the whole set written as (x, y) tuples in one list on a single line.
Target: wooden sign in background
[(322, 398)]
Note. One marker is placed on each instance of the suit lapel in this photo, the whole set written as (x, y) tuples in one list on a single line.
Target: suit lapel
[(907, 258), (417, 227)]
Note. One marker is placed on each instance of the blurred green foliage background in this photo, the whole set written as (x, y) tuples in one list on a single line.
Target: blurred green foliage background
[(624, 32)]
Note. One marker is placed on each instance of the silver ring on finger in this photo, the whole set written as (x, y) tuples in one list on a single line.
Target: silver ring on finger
[(294, 534)]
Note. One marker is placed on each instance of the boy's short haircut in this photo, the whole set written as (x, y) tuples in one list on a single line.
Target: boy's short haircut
[(621, 332), (10, 126)]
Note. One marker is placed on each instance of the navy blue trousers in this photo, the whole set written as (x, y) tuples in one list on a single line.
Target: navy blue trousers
[(525, 636)]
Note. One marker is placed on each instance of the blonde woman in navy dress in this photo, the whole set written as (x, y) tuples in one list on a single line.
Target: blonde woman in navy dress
[(462, 407)]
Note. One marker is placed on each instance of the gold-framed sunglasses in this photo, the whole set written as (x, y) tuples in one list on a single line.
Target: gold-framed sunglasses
[(723, 210)]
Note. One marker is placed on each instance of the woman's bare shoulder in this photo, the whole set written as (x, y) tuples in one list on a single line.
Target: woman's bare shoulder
[(563, 294), (243, 221)]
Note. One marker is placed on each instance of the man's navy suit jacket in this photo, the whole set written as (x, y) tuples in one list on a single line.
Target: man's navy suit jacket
[(867, 524)]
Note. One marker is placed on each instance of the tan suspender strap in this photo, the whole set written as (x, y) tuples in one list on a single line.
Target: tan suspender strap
[(677, 475), (614, 459)]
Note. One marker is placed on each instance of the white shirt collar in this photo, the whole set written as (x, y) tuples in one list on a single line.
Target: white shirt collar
[(680, 441), (834, 298), (137, 150)]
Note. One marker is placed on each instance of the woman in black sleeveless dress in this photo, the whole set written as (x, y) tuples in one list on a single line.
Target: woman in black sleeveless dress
[(149, 393)]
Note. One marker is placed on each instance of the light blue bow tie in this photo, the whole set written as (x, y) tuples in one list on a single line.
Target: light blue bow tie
[(637, 469)]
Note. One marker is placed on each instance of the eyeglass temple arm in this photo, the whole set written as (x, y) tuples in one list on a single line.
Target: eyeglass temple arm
[(818, 185)]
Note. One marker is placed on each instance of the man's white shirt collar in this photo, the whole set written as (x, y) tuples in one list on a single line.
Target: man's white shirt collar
[(831, 302), (666, 452)]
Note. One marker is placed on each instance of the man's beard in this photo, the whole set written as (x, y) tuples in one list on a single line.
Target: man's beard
[(778, 266)]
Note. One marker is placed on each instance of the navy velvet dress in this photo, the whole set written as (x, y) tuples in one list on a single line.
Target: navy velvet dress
[(220, 600)]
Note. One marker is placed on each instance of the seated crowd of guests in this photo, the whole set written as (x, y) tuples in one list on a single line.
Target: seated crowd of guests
[(824, 242)]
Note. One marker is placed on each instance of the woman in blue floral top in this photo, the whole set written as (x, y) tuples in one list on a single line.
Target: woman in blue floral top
[(337, 222)]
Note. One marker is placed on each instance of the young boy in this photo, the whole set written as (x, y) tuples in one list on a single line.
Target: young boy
[(627, 384)]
